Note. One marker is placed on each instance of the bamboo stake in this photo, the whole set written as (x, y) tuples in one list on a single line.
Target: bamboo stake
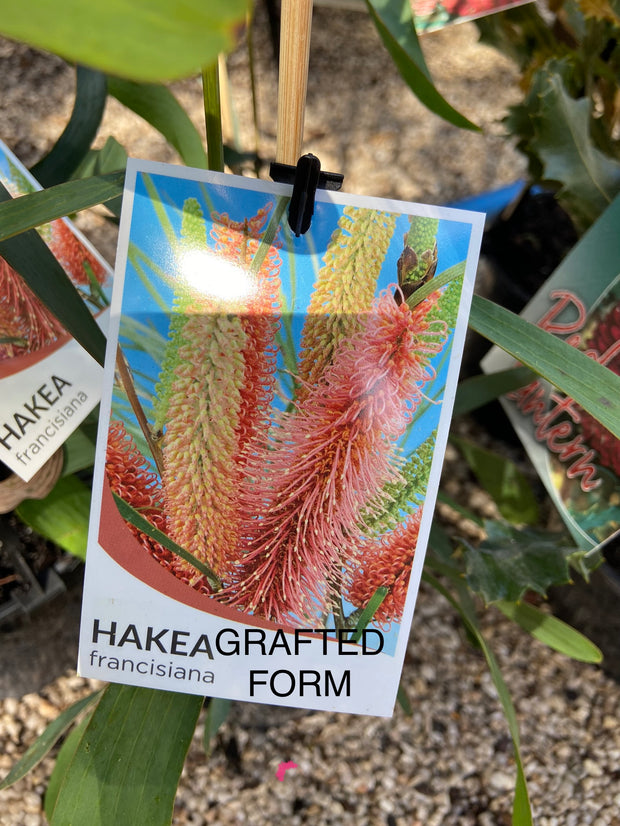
[(295, 26)]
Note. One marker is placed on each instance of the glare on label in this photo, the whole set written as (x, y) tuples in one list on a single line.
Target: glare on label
[(215, 277)]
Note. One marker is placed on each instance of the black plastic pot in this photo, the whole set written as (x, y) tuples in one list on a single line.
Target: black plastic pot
[(594, 609)]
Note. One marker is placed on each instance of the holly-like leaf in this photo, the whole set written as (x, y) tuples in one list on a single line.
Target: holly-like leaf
[(589, 178), (599, 10), (510, 562)]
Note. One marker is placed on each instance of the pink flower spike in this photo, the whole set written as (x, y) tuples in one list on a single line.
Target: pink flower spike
[(327, 463)]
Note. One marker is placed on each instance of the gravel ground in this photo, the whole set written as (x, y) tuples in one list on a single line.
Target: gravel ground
[(451, 762)]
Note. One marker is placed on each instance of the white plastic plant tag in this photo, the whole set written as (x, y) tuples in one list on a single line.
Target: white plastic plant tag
[(271, 439), (48, 382)]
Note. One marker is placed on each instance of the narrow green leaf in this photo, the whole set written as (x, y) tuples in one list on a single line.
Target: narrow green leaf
[(62, 516), (521, 810), (152, 41), (138, 521), (217, 714), (369, 611), (551, 631), (159, 107), (29, 211), (127, 765), (73, 145), (63, 760), (28, 254), (46, 741), (477, 391), (394, 23), (594, 387), (112, 157), (500, 477), (403, 700)]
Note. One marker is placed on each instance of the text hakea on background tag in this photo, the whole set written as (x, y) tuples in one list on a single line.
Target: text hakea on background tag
[(271, 440), (48, 382)]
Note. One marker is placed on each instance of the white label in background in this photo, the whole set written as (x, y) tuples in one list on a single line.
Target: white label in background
[(42, 405)]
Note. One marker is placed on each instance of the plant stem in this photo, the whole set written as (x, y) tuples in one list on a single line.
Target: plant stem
[(213, 116)]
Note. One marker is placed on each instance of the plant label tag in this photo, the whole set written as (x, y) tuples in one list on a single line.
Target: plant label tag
[(577, 459), (271, 438), (48, 382), (430, 15)]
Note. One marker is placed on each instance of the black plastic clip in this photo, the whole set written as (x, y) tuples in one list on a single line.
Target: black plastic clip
[(306, 178)]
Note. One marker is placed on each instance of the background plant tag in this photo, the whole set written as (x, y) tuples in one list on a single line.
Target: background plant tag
[(271, 439), (48, 382), (430, 15), (577, 459)]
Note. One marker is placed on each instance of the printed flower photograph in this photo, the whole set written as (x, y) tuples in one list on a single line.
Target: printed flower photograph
[(277, 399), (26, 326)]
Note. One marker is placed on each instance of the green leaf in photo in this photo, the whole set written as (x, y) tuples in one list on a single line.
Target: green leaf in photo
[(62, 516), (135, 518), (511, 491), (368, 613)]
